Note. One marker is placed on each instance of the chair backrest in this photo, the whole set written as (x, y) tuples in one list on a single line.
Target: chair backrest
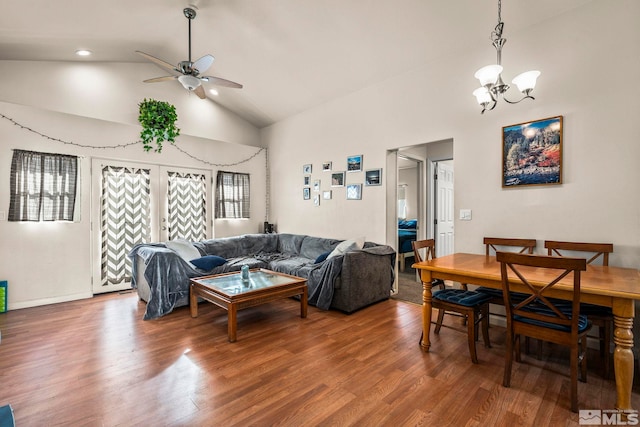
[(538, 307), (525, 245), (599, 249), (429, 245)]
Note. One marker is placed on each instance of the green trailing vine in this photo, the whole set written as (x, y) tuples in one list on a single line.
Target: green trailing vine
[(158, 120)]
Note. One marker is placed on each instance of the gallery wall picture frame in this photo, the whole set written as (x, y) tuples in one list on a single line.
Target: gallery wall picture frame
[(354, 163), (326, 195), (316, 186), (337, 179), (373, 177), (532, 153), (306, 169), (354, 192), (306, 193), (307, 180), (326, 166), (316, 200)]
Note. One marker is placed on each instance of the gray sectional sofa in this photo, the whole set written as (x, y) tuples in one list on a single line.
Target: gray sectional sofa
[(346, 282)]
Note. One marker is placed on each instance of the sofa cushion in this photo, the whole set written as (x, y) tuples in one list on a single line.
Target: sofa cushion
[(238, 246), (290, 265), (312, 247), (323, 256), (183, 248), (208, 262), (290, 243), (347, 246)]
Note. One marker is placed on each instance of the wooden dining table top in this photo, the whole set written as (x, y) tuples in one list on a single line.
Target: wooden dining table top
[(597, 280)]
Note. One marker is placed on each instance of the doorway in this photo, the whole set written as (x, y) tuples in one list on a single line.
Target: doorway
[(434, 213), (134, 203)]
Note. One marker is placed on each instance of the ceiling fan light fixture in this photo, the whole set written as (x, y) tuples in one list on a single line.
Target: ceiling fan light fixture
[(189, 82)]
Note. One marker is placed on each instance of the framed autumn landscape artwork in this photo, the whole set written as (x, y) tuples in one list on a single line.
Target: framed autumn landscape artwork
[(532, 153)]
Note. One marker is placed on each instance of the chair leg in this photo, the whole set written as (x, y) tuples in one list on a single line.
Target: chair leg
[(582, 359), (439, 322), (574, 378), (508, 360), (605, 332), (516, 344), (485, 325), (472, 334)]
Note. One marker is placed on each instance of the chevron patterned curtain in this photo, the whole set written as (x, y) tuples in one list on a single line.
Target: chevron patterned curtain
[(187, 206), (125, 219)]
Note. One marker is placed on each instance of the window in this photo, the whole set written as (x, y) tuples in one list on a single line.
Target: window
[(232, 195), (43, 186)]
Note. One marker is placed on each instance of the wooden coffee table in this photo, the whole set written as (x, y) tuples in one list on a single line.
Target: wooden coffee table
[(230, 292)]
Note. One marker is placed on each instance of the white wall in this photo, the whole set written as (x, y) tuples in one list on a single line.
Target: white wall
[(589, 58), (51, 262)]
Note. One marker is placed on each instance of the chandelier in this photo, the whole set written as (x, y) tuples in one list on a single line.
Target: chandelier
[(493, 88)]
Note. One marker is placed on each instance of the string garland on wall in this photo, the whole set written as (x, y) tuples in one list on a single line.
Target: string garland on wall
[(75, 144)]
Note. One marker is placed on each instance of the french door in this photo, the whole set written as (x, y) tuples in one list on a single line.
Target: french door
[(136, 203)]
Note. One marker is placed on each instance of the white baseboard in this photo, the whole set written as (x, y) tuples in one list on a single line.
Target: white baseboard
[(47, 301)]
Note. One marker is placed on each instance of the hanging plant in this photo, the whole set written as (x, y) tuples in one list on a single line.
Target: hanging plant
[(158, 120)]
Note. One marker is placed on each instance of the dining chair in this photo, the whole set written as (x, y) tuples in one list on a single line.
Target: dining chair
[(492, 245), (471, 305), (538, 316), (602, 317)]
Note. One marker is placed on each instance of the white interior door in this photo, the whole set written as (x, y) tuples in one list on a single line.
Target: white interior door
[(136, 203), (444, 209)]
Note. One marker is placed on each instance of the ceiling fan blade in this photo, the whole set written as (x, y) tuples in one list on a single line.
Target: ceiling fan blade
[(221, 82), (160, 79), (203, 63), (159, 62), (200, 92)]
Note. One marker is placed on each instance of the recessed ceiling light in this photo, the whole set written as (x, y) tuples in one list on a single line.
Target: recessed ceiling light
[(83, 52), (213, 92)]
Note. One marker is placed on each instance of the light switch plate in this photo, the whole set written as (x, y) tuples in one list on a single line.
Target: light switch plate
[(465, 214)]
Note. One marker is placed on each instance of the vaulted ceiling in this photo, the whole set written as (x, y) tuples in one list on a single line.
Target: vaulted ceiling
[(290, 55)]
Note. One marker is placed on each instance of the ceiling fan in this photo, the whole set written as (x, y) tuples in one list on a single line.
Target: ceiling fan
[(186, 72)]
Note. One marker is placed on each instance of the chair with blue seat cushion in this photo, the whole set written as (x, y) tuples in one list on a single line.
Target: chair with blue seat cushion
[(541, 317), (602, 317), (474, 306), (467, 304)]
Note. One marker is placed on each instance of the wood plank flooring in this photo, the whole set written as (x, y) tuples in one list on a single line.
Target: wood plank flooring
[(95, 362)]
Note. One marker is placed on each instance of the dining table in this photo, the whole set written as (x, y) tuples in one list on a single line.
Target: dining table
[(606, 286)]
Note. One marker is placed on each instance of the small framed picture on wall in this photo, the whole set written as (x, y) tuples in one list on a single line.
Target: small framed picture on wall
[(354, 163), (337, 179), (373, 177), (354, 192)]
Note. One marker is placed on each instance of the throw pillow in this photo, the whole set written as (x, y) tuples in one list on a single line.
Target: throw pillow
[(208, 262), (322, 257), (347, 246), (183, 248)]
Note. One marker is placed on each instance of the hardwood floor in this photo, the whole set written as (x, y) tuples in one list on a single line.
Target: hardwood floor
[(96, 362)]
